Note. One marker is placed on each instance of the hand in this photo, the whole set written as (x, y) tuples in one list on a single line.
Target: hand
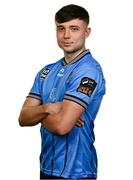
[(51, 108), (79, 122)]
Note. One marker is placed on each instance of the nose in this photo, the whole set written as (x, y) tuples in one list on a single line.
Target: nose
[(67, 34)]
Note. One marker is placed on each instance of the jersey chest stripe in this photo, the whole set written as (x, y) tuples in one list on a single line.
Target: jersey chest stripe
[(65, 155), (53, 149), (43, 152)]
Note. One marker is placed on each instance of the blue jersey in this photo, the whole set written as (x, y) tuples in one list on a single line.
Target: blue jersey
[(72, 155)]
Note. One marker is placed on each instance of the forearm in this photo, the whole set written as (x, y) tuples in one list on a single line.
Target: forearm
[(52, 122), (31, 116), (59, 123), (65, 119)]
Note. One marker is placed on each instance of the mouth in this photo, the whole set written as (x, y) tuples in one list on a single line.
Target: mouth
[(67, 43)]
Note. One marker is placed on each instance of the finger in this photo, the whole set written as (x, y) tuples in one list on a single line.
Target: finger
[(78, 125), (80, 122)]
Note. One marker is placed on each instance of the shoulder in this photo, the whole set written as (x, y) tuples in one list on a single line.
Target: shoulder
[(46, 69), (89, 62), (88, 70), (88, 66)]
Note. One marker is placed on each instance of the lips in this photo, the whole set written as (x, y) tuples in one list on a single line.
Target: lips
[(67, 43)]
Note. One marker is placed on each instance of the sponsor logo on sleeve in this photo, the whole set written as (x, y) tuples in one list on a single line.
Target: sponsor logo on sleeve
[(44, 73), (87, 86)]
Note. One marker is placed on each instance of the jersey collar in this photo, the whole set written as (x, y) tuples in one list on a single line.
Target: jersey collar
[(77, 58)]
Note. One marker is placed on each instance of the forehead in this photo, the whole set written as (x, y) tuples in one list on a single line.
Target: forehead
[(73, 22)]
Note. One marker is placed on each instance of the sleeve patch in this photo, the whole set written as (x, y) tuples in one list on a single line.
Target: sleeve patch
[(87, 86), (44, 73)]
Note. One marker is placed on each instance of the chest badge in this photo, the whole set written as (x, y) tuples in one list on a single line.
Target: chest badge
[(61, 73)]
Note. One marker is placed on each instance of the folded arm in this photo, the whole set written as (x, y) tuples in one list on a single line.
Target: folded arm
[(33, 112), (64, 120), (59, 117)]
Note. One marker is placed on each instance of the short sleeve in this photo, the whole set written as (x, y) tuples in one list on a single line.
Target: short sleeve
[(82, 86), (35, 91)]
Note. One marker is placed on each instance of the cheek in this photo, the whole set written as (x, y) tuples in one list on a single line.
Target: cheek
[(59, 41), (80, 35), (81, 38), (59, 37)]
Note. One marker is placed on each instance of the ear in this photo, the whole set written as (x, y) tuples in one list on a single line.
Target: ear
[(87, 32)]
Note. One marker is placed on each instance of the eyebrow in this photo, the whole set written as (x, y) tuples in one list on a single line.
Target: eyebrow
[(69, 26), (75, 26), (60, 26)]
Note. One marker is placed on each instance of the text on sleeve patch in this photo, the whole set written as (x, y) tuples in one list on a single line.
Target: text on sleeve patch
[(44, 73), (87, 86)]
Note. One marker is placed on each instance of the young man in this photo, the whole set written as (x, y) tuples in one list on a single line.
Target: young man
[(65, 99)]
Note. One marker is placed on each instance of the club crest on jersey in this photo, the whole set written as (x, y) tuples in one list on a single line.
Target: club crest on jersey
[(61, 73), (44, 73), (87, 86)]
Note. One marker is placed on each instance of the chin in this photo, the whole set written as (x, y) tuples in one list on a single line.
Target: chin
[(68, 50)]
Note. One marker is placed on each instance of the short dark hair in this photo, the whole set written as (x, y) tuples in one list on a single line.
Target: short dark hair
[(70, 12)]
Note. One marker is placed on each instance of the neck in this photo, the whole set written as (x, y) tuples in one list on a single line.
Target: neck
[(70, 56)]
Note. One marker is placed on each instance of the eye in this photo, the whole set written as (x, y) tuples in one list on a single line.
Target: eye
[(75, 28), (60, 28)]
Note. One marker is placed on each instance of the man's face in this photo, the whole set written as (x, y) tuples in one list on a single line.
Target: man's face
[(71, 35)]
